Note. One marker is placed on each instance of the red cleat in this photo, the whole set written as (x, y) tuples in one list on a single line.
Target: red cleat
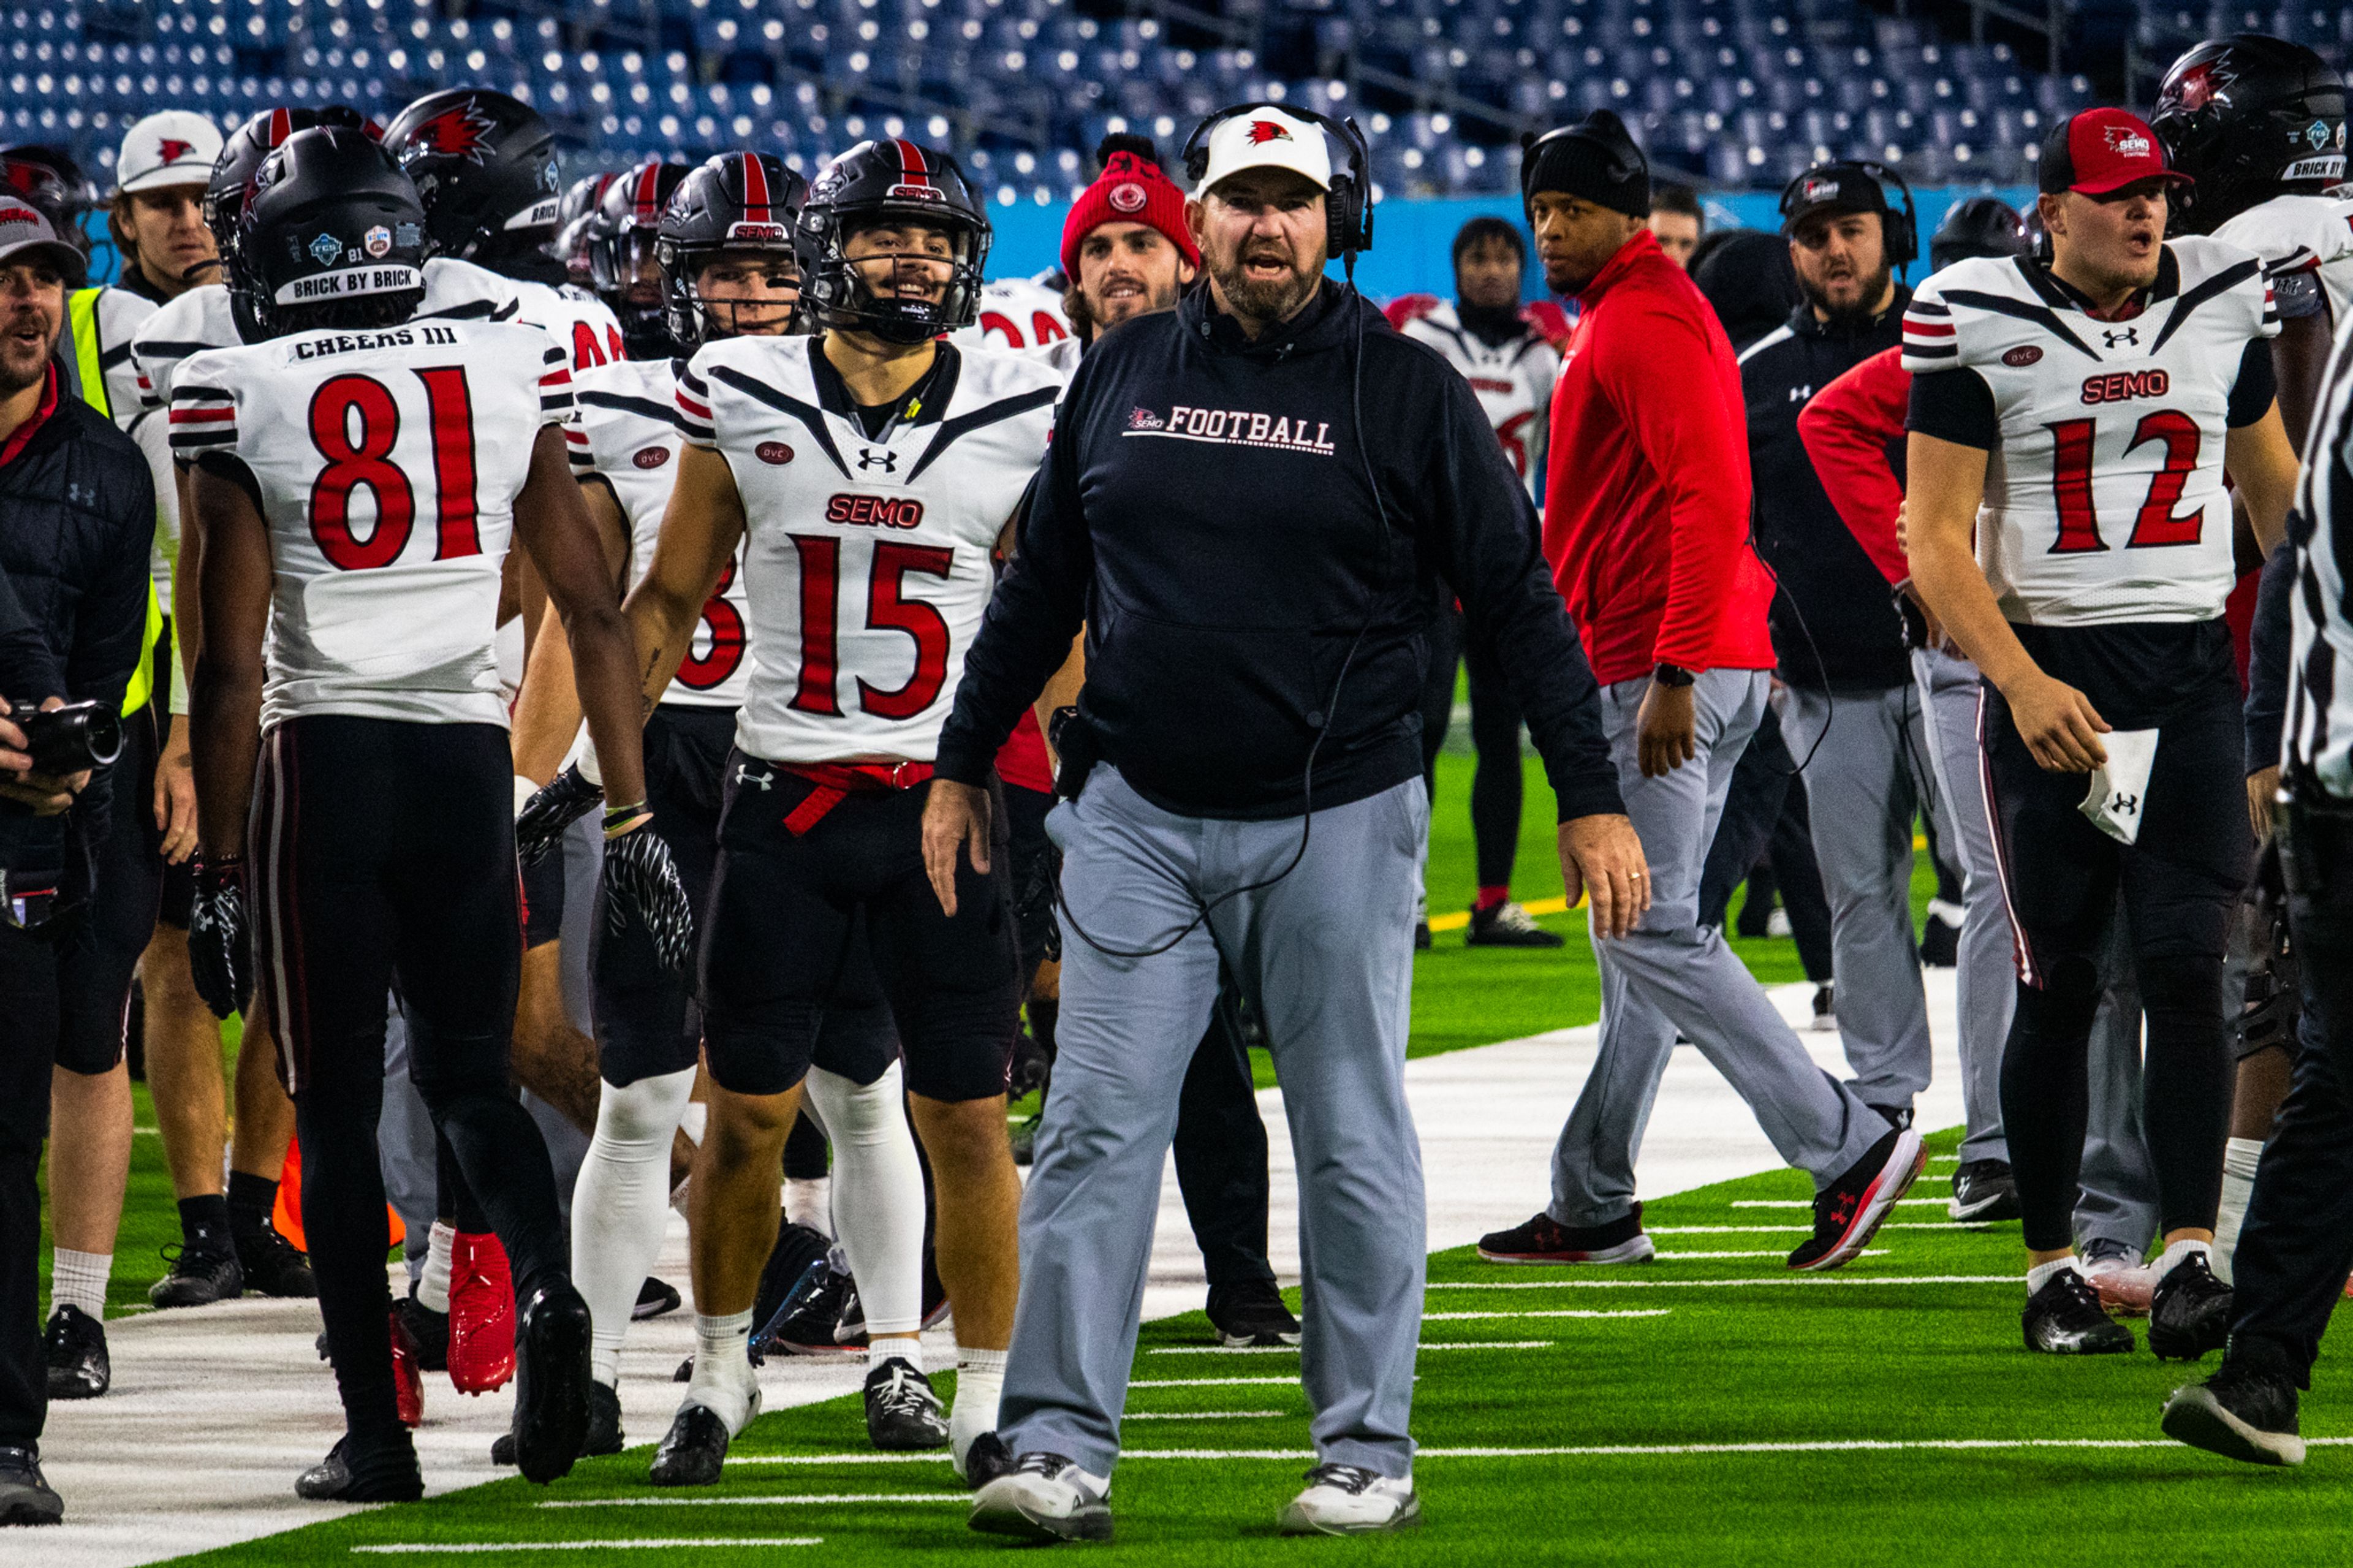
[(481, 1315), (407, 1377)]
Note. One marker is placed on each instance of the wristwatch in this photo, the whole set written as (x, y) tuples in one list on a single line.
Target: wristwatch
[(1671, 674)]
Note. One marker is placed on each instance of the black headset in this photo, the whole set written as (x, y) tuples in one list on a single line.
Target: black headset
[(1348, 205), (1903, 238)]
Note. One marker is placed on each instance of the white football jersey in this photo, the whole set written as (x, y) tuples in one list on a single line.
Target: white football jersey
[(1514, 383), (867, 563), (1017, 313), (582, 325), (387, 462), (624, 431), (2104, 499), (2307, 245)]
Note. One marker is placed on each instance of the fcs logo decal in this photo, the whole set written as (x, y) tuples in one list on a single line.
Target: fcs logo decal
[(325, 248), (655, 457), (875, 511), (460, 131), (2126, 142), (1263, 132), (173, 149), (2316, 134), (775, 453), (2021, 356)]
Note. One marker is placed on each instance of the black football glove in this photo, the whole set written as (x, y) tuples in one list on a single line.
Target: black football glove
[(641, 884), (563, 801), (220, 944)]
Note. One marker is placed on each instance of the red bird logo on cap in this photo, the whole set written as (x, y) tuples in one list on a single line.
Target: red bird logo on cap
[(1263, 132), (462, 131), (2126, 142), (173, 149)]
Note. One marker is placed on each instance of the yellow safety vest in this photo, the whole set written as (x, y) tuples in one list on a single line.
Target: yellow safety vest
[(82, 315)]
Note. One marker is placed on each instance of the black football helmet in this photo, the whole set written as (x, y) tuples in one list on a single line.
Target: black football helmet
[(332, 235), (484, 164), (735, 202), (1980, 225), (628, 227), (2248, 117), (49, 179), (575, 219), (891, 181), (241, 156)]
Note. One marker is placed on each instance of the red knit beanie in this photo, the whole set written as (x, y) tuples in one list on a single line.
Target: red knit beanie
[(1130, 189)]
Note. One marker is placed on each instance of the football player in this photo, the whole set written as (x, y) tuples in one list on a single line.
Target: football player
[(870, 474), (2259, 123), (357, 481), (2092, 407)]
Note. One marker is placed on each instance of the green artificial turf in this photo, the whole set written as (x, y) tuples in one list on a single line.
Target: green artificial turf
[(1791, 1359)]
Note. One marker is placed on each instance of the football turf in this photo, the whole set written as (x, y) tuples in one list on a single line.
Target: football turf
[(1706, 1408)]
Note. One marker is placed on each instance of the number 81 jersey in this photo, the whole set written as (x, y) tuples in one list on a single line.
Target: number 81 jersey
[(868, 562), (387, 463), (2103, 498)]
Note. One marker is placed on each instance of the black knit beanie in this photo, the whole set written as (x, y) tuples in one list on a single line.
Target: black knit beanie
[(1593, 159)]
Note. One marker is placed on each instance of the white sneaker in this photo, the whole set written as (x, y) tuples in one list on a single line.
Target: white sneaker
[(1045, 1498), (1777, 924), (1349, 1499)]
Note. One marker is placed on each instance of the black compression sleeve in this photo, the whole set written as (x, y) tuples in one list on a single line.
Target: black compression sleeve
[(1954, 405), (2251, 394)]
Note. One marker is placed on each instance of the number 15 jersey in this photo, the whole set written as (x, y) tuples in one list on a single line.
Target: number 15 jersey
[(868, 561), (387, 463), (2103, 498)]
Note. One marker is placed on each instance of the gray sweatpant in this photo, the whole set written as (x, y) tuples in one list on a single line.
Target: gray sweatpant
[(1326, 955), (1671, 974), (1863, 752)]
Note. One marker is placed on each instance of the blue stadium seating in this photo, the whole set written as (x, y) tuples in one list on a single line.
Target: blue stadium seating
[(1739, 92)]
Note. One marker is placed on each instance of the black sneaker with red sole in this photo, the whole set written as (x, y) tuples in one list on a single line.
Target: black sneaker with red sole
[(1849, 1211), (1546, 1240)]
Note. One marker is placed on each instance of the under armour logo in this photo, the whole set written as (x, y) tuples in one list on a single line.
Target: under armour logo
[(1799, 393), (744, 775), (868, 458), (2129, 335), (2122, 804)]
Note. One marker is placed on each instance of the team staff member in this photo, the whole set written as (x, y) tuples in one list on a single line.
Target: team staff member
[(1677, 222), (1167, 519), (1645, 531), (1850, 715), (76, 509)]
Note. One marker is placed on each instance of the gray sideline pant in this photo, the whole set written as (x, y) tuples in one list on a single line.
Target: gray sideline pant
[(1325, 954), (1671, 974)]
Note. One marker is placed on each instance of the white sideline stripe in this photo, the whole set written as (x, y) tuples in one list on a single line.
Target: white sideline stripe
[(1207, 1382), (759, 1499), (642, 1545), (1689, 1257), (1809, 1203), (1200, 1415), (1720, 1284), (1957, 1227), (1426, 1344), (1456, 1317)]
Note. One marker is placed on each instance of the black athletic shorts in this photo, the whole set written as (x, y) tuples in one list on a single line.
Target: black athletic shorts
[(2183, 875), (382, 851), (780, 939)]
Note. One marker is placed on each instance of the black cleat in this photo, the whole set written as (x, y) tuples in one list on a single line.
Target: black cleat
[(428, 1328), (386, 1475), (1544, 1239), (2240, 1413), (274, 1268), (986, 1459), (552, 1381), (199, 1277), (25, 1496), (1508, 925), (2064, 1318), (1251, 1313), (1940, 941), (2190, 1315), (1983, 1192), (604, 1430), (1422, 936), (691, 1451), (809, 1318), (655, 1297), (1848, 1212), (902, 1413), (74, 1345)]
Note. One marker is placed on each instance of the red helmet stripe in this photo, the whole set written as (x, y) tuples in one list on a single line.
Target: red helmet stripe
[(648, 182), (911, 161), (281, 126), (755, 189)]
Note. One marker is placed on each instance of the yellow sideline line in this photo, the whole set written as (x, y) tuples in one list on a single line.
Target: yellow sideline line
[(1534, 906)]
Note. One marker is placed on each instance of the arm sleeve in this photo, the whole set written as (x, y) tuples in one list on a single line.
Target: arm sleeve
[(2268, 649), (1847, 429), (1655, 367), (1956, 406), (110, 624), (2252, 394), (1481, 528), (1038, 608)]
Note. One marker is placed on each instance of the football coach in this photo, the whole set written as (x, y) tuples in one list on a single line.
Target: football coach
[(1249, 504)]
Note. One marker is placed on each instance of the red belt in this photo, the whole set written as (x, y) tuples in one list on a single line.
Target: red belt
[(835, 782)]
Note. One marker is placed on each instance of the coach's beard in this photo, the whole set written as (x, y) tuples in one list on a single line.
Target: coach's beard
[(1265, 300)]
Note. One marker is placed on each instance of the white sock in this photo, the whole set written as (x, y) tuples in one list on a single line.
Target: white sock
[(1951, 914), (433, 1285), (2179, 1252), (722, 1382), (908, 1348), (808, 1200), (78, 1279), (878, 1204), (2239, 1158), (620, 1206), (2041, 1274), (980, 1384)]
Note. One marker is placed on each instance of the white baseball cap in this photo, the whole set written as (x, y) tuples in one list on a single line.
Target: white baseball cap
[(175, 147), (26, 236), (1266, 138)]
